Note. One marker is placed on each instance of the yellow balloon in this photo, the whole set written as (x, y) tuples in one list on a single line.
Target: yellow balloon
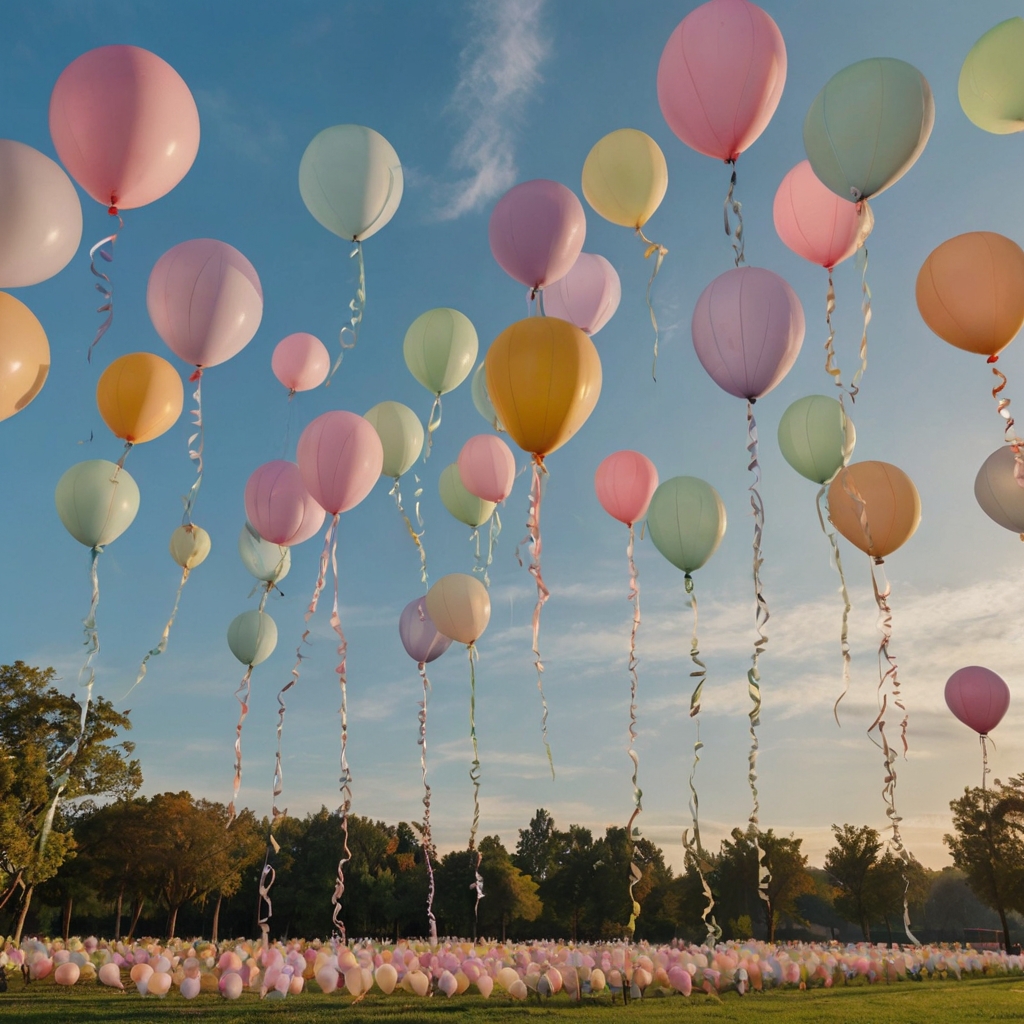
[(190, 544), (459, 606), (140, 396), (24, 356), (625, 177), (886, 498), (544, 379)]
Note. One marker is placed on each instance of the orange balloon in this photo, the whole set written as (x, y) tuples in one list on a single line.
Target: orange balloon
[(889, 500), (459, 606), (140, 396), (970, 291), (544, 379), (24, 355)]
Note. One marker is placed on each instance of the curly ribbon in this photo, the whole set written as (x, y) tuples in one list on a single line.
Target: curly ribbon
[(865, 306), (426, 842), (104, 285), (830, 351), (983, 737), (195, 454), (658, 250), (242, 694), (433, 422), (844, 634), (357, 307), (634, 597), (731, 203), (265, 909), (396, 493), (474, 775), (1009, 434)]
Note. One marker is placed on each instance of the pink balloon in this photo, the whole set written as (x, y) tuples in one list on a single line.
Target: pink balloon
[(587, 296), (205, 300), (536, 232), (978, 697), (487, 467), (625, 482), (278, 505), (340, 457), (721, 77), (747, 329), (301, 362), (816, 223), (124, 124)]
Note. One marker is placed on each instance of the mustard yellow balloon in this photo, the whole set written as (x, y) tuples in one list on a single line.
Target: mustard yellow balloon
[(881, 495), (544, 379), (625, 177), (140, 396), (24, 355)]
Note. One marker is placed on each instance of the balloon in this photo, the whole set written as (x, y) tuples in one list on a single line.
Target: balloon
[(340, 457), (67, 973), (96, 502), (991, 87), (110, 975), (24, 356), (351, 180), (124, 124), (686, 521), (401, 436), (252, 637), (721, 77), (1000, 496), (868, 125), (587, 296), (816, 223), (205, 300), (482, 400), (625, 177), (536, 232), (978, 697), (460, 607), (970, 291), (386, 977), (440, 348), (301, 362), (263, 559), (190, 544), (544, 378), (463, 505), (279, 507), (891, 506), (625, 482), (487, 467), (140, 397), (40, 216), (420, 638), (816, 437), (748, 326)]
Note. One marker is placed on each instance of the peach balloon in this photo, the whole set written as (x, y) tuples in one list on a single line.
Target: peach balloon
[(460, 608), (159, 984), (888, 499), (485, 985), (110, 975), (67, 973)]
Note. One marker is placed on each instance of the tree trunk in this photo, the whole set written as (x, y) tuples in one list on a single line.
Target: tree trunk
[(137, 905), (888, 928), (117, 922), (24, 913), (66, 931), (503, 928), (216, 919), (865, 927), (11, 889), (172, 921), (1006, 928), (769, 920)]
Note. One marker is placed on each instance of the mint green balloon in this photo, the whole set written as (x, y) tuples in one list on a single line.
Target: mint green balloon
[(96, 502), (252, 637), (466, 507), (991, 87), (401, 435), (440, 349), (482, 400), (816, 438), (266, 561), (350, 179), (868, 126), (686, 520)]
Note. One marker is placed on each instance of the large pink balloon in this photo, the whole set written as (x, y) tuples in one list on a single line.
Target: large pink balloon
[(536, 232), (721, 77), (205, 300), (587, 296), (340, 457), (301, 362), (124, 124), (625, 482), (978, 697), (278, 505), (487, 467), (747, 329), (816, 223)]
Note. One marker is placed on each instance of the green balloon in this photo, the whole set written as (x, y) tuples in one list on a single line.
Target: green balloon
[(466, 507), (482, 400), (868, 126), (440, 349), (991, 85), (96, 502), (252, 637), (816, 437), (686, 520), (401, 435)]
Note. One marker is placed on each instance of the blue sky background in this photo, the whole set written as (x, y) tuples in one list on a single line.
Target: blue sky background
[(475, 97)]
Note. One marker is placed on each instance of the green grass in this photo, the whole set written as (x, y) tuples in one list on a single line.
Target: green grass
[(935, 1002)]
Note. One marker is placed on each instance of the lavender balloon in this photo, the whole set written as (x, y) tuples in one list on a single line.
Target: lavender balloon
[(587, 296), (420, 638)]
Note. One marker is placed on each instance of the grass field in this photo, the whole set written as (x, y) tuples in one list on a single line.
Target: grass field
[(995, 999)]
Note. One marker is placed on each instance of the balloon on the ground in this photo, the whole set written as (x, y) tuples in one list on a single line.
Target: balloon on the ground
[(24, 355), (420, 637), (482, 400), (96, 501), (252, 637), (440, 349), (625, 177), (686, 520), (340, 458), (140, 396), (189, 546), (625, 482), (401, 436), (886, 498), (263, 559), (816, 437), (587, 296), (978, 697), (991, 86), (487, 467), (301, 362), (280, 508), (460, 607), (996, 489), (465, 507)]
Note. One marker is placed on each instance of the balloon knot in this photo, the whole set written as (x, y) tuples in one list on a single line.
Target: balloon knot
[(993, 359), (112, 210), (197, 374)]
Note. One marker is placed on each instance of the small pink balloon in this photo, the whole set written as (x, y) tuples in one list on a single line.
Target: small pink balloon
[(679, 978), (487, 467), (301, 362), (625, 482), (536, 232), (978, 697), (67, 973), (281, 511), (816, 223), (205, 300), (340, 457), (110, 975), (587, 296)]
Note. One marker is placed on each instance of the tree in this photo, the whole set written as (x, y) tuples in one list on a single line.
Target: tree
[(570, 887), (509, 893), (849, 863), (537, 848)]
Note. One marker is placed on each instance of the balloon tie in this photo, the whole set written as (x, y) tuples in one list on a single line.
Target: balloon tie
[(128, 445), (426, 842), (865, 306), (242, 694), (474, 775), (731, 203), (1009, 434), (396, 493), (162, 645), (104, 285), (195, 454), (635, 873), (433, 422), (660, 252), (983, 737), (493, 533), (540, 302), (844, 633), (830, 352), (357, 307)]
